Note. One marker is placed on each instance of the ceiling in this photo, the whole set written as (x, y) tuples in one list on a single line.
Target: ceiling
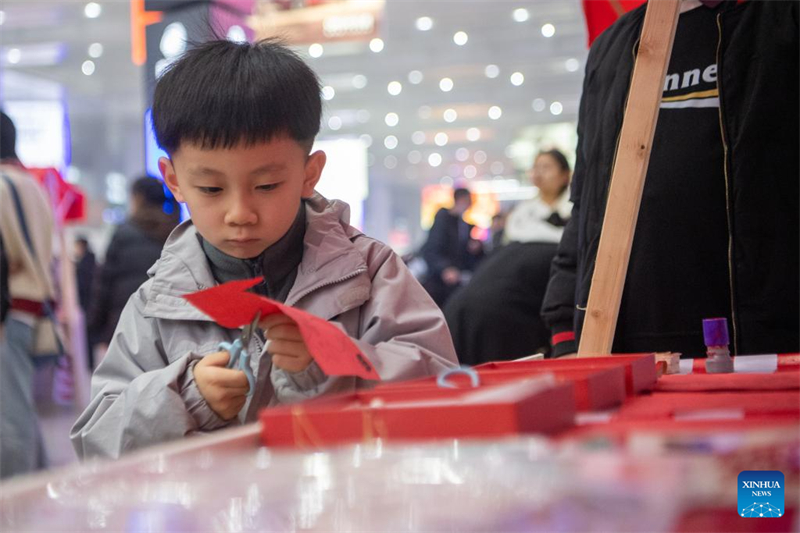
[(59, 34)]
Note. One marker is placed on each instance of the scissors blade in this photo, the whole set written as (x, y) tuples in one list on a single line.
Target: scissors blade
[(248, 330)]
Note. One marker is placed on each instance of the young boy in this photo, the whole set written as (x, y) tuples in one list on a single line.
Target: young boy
[(238, 122)]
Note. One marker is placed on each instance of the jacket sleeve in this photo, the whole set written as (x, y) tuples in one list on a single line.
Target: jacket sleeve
[(139, 396), (402, 332), (558, 307)]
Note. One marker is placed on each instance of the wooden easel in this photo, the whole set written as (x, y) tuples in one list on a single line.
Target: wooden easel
[(627, 177)]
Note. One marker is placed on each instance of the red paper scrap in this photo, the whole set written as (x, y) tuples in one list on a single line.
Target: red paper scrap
[(230, 306)]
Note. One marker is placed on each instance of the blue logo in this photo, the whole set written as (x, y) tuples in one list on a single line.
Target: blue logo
[(761, 494)]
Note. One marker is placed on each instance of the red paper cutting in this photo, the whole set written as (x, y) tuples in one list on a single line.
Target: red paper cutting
[(230, 306)]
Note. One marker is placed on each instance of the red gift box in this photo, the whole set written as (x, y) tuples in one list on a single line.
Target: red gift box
[(595, 388), (640, 369), (422, 414)]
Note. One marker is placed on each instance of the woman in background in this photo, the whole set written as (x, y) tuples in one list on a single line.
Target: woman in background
[(496, 317)]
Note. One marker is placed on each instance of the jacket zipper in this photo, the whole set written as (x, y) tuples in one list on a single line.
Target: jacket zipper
[(727, 190), (326, 284)]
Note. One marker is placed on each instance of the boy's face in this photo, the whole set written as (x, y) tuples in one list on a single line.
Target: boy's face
[(243, 199)]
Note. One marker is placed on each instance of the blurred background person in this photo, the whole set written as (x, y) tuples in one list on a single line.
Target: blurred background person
[(85, 266), (26, 226), (496, 317), (135, 246), (450, 252)]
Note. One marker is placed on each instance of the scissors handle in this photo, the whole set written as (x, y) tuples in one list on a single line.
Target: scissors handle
[(241, 358)]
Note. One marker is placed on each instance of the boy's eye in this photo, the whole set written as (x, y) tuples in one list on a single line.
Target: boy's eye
[(209, 190), (269, 187)]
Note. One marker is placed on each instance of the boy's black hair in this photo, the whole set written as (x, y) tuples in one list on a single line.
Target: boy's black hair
[(8, 137), (461, 193), (221, 94)]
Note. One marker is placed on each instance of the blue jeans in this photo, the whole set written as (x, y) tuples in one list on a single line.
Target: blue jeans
[(21, 445)]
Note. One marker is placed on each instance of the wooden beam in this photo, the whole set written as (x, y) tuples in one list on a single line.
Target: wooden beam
[(627, 177)]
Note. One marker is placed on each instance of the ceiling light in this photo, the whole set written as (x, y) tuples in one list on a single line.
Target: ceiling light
[(572, 64), (92, 10), (173, 40), (359, 81), (95, 50), (495, 112), (556, 108), (539, 105), (460, 38), (328, 93), (548, 30), (335, 123), (394, 88), (390, 142), (521, 14), (414, 157), (446, 181), (492, 71), (376, 45), (462, 154), (418, 137), (424, 112), (366, 138), (450, 115), (391, 119), (440, 139), (480, 157), (473, 134), (315, 50), (415, 77), (470, 172), (424, 23), (236, 34), (446, 84), (497, 167), (390, 162), (434, 159), (14, 55), (517, 79), (88, 67)]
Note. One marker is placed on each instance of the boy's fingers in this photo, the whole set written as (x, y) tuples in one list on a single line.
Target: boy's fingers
[(227, 378), (288, 332), (288, 348), (215, 359), (274, 320), (290, 364)]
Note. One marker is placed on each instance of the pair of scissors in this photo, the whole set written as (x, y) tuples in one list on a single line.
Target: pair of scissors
[(239, 356)]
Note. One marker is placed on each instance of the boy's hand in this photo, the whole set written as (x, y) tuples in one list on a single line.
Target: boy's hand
[(224, 389), (285, 344)]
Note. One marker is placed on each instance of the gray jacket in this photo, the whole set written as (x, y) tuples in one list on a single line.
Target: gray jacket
[(144, 392)]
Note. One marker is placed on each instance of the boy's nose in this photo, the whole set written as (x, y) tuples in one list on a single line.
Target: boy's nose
[(241, 213)]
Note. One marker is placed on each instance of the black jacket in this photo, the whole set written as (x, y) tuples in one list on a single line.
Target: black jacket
[(758, 84), (496, 316), (134, 248)]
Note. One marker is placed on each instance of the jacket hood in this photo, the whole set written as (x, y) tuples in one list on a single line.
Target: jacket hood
[(328, 255)]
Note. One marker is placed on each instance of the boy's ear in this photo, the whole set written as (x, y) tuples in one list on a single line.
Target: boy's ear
[(314, 166), (170, 178)]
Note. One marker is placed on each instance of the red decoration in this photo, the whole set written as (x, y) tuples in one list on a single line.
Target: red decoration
[(232, 307), (69, 202), (600, 14)]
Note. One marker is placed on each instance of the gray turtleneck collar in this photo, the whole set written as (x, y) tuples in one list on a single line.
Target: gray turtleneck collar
[(278, 263)]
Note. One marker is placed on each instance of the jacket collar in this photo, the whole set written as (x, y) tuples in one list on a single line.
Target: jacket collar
[(329, 257)]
